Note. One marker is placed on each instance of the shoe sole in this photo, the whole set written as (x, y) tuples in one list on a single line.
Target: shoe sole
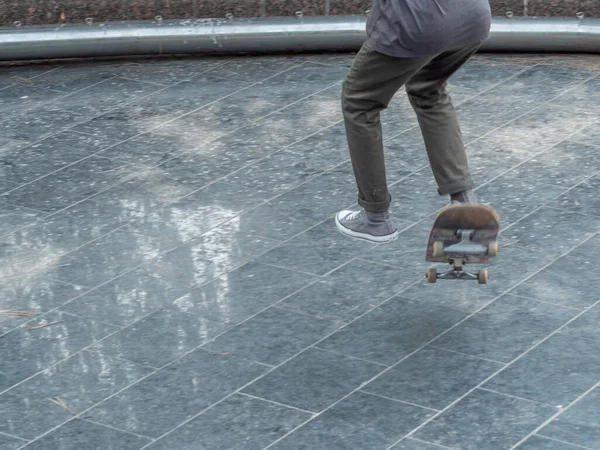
[(364, 236)]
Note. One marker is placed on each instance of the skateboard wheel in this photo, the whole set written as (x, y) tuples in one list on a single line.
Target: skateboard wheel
[(438, 249), (432, 275), (482, 276), (493, 248)]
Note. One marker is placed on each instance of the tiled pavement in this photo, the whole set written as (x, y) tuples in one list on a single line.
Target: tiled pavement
[(166, 232)]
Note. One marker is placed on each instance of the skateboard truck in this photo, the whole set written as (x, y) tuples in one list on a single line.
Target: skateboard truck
[(458, 255)]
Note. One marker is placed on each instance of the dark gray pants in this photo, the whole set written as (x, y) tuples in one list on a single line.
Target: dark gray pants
[(372, 81)]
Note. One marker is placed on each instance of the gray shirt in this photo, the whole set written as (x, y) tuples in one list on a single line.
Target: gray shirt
[(412, 28)]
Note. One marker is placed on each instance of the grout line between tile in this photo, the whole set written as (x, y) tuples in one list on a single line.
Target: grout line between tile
[(299, 233), (14, 437), (418, 349), (554, 416), (545, 302), (430, 443), (466, 354), (563, 442), (492, 375), (113, 428), (350, 356), (397, 400), (504, 394), (139, 99), (276, 403)]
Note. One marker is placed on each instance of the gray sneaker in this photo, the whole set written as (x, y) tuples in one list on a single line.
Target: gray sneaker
[(372, 226)]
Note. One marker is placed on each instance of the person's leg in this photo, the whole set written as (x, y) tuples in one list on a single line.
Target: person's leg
[(439, 124), (371, 83)]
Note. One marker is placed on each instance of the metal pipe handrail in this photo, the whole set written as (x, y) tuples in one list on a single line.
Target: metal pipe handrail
[(268, 35)]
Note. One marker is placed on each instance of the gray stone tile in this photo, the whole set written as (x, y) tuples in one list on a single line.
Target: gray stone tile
[(34, 295), (506, 328), (556, 372), (487, 420), (34, 124), (317, 251), (580, 424), (416, 197), (584, 97), (104, 96), (14, 217), (527, 136), (542, 443), (404, 154), (267, 219), (108, 257), (565, 164), (171, 180), (275, 174), (23, 73), (79, 382), (211, 122), (193, 215), (280, 130), (399, 117), (348, 292), (69, 185), (18, 258), (21, 98), (407, 253), (586, 325), (313, 380), (513, 196), (120, 123), (49, 155), (359, 421), (161, 337), (589, 135), (75, 76), (272, 336), (552, 231), (321, 197), (432, 377), (80, 433), (253, 70), (467, 296), (392, 331), (144, 194), (481, 73), (25, 352), (70, 228), (186, 96), (217, 196), (170, 70), (10, 443), (581, 198), (149, 149), (414, 444), (515, 97), (306, 79), (125, 299), (322, 109), (208, 256), (239, 422), (567, 281), (241, 293), (6, 185), (176, 393), (326, 148)]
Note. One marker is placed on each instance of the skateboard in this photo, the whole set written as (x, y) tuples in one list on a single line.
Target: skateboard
[(463, 234)]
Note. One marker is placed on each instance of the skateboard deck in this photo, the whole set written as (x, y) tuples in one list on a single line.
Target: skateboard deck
[(463, 234)]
